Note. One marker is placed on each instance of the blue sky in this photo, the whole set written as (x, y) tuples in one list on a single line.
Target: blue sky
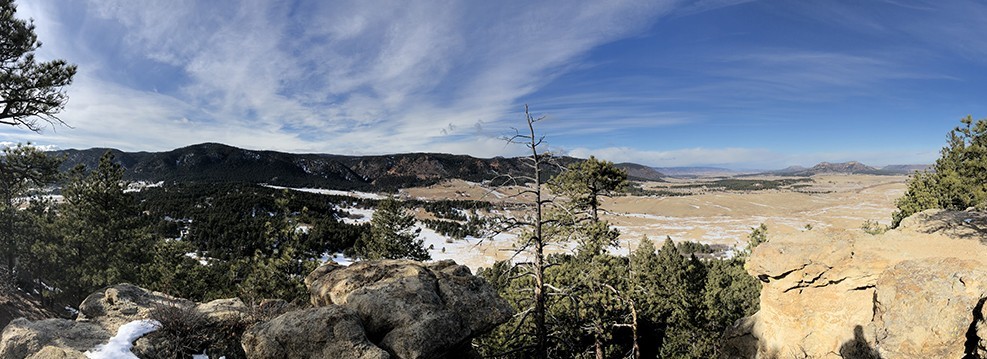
[(743, 84)]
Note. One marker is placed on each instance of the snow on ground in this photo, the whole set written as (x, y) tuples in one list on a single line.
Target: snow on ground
[(365, 215), (202, 260), (119, 345), (204, 356), (332, 192), (141, 185), (339, 258)]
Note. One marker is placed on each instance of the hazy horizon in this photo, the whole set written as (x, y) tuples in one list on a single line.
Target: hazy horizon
[(714, 83), (726, 166)]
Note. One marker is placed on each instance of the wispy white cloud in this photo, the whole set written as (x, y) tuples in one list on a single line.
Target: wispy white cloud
[(361, 77), (346, 77)]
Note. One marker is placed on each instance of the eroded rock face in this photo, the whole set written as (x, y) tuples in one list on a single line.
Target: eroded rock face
[(324, 332), (417, 310), (914, 292), (931, 308)]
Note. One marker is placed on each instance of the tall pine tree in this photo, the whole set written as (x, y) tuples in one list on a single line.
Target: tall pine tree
[(103, 241), (391, 235), (22, 169)]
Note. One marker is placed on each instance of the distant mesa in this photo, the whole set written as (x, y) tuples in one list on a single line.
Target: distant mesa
[(843, 167)]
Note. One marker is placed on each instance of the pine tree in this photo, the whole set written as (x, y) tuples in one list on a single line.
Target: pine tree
[(586, 181), (29, 89), (103, 240), (598, 276), (22, 168), (277, 269), (391, 235), (958, 179)]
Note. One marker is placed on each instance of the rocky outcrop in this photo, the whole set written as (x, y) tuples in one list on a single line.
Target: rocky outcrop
[(914, 292), (50, 338), (101, 314), (417, 310), (120, 304), (370, 310), (15, 304), (325, 332)]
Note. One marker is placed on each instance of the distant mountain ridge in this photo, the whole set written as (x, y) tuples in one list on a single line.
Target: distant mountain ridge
[(700, 171), (213, 162), (641, 172), (905, 169), (851, 167)]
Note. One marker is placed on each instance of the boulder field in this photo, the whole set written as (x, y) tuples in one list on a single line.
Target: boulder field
[(370, 310), (917, 291)]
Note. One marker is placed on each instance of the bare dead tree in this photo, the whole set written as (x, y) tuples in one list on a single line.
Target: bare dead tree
[(536, 238), (534, 228)]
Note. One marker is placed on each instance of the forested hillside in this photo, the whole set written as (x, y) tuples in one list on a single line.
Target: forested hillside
[(212, 162)]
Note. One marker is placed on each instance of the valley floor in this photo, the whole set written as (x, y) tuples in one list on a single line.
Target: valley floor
[(706, 216)]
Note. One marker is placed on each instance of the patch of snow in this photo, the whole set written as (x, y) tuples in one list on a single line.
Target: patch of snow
[(119, 345), (366, 215), (204, 356), (202, 260), (43, 148), (357, 194), (339, 258)]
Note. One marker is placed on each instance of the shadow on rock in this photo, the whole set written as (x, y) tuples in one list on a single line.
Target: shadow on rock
[(858, 348)]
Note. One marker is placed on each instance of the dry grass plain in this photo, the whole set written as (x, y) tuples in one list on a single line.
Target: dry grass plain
[(712, 216)]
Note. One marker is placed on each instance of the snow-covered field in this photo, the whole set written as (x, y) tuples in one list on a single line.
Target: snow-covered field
[(473, 252), (724, 218), (332, 192)]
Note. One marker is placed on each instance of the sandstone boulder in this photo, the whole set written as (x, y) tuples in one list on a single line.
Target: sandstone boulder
[(931, 308), (50, 352), (221, 310), (324, 332), (913, 292), (23, 338), (15, 304), (117, 305), (102, 313), (371, 310), (417, 310)]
